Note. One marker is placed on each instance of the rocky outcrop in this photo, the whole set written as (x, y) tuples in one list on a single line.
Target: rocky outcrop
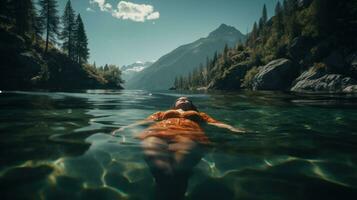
[(350, 89), (276, 75), (318, 81), (231, 78)]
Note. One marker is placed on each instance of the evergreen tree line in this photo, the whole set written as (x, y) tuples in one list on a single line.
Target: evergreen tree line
[(202, 75), (111, 73), (46, 23), (317, 20)]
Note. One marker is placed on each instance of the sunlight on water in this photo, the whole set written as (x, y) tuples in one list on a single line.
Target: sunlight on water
[(58, 146)]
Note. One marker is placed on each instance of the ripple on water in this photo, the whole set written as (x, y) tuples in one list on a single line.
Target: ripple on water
[(57, 146)]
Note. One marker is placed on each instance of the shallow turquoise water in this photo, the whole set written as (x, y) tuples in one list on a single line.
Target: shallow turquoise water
[(57, 146)]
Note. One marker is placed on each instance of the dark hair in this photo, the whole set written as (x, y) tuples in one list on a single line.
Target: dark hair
[(193, 107)]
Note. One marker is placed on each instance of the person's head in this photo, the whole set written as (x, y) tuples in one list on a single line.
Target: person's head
[(185, 104)]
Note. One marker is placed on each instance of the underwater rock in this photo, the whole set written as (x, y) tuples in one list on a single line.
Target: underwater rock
[(100, 193), (24, 182), (24, 175), (212, 189)]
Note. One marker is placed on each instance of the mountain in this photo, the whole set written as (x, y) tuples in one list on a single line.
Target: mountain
[(184, 59), (287, 53), (129, 71)]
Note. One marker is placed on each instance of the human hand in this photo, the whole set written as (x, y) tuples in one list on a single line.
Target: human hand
[(236, 130), (117, 130)]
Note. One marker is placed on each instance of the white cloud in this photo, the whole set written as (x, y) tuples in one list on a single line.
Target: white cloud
[(102, 5), (129, 11), (154, 15)]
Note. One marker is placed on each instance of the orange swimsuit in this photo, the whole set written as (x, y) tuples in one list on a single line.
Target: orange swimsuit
[(172, 125)]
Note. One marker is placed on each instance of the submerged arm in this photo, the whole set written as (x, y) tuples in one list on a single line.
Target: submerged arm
[(219, 124), (227, 126), (152, 118), (138, 123)]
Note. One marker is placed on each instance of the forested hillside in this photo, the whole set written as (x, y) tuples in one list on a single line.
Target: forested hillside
[(308, 45), (39, 49)]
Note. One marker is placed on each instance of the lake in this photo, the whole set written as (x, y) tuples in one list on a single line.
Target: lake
[(57, 145)]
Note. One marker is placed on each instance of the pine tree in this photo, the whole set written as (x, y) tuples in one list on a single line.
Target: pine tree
[(24, 14), (261, 31), (286, 7), (36, 24), (215, 58), (3, 7), (225, 55), (50, 20), (189, 80), (225, 50), (176, 83), (202, 75), (68, 32), (253, 35), (264, 15), (278, 9), (278, 20), (181, 82), (106, 67), (81, 42)]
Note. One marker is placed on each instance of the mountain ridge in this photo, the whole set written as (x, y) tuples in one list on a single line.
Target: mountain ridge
[(184, 59)]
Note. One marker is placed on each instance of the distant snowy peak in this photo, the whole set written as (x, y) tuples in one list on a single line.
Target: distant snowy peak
[(130, 71), (138, 66)]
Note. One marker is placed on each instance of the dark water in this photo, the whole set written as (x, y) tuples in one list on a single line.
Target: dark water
[(57, 146)]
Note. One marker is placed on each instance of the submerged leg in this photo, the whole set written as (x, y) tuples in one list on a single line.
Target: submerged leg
[(157, 155), (171, 165), (186, 152)]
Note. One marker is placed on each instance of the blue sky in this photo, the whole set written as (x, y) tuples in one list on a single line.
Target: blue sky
[(122, 32)]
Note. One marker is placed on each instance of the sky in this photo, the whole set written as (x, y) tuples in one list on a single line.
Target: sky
[(123, 32)]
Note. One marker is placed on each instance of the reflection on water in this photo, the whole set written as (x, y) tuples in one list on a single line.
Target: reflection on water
[(57, 146)]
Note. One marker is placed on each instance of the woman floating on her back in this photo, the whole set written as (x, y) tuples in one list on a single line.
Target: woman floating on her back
[(171, 144)]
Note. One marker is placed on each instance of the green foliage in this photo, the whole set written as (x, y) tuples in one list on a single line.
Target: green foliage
[(240, 47), (23, 11), (112, 74), (68, 31), (37, 63), (264, 18), (81, 51), (21, 16), (247, 82), (49, 20), (322, 26)]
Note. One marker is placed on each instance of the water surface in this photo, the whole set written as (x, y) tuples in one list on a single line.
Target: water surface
[(57, 145)]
